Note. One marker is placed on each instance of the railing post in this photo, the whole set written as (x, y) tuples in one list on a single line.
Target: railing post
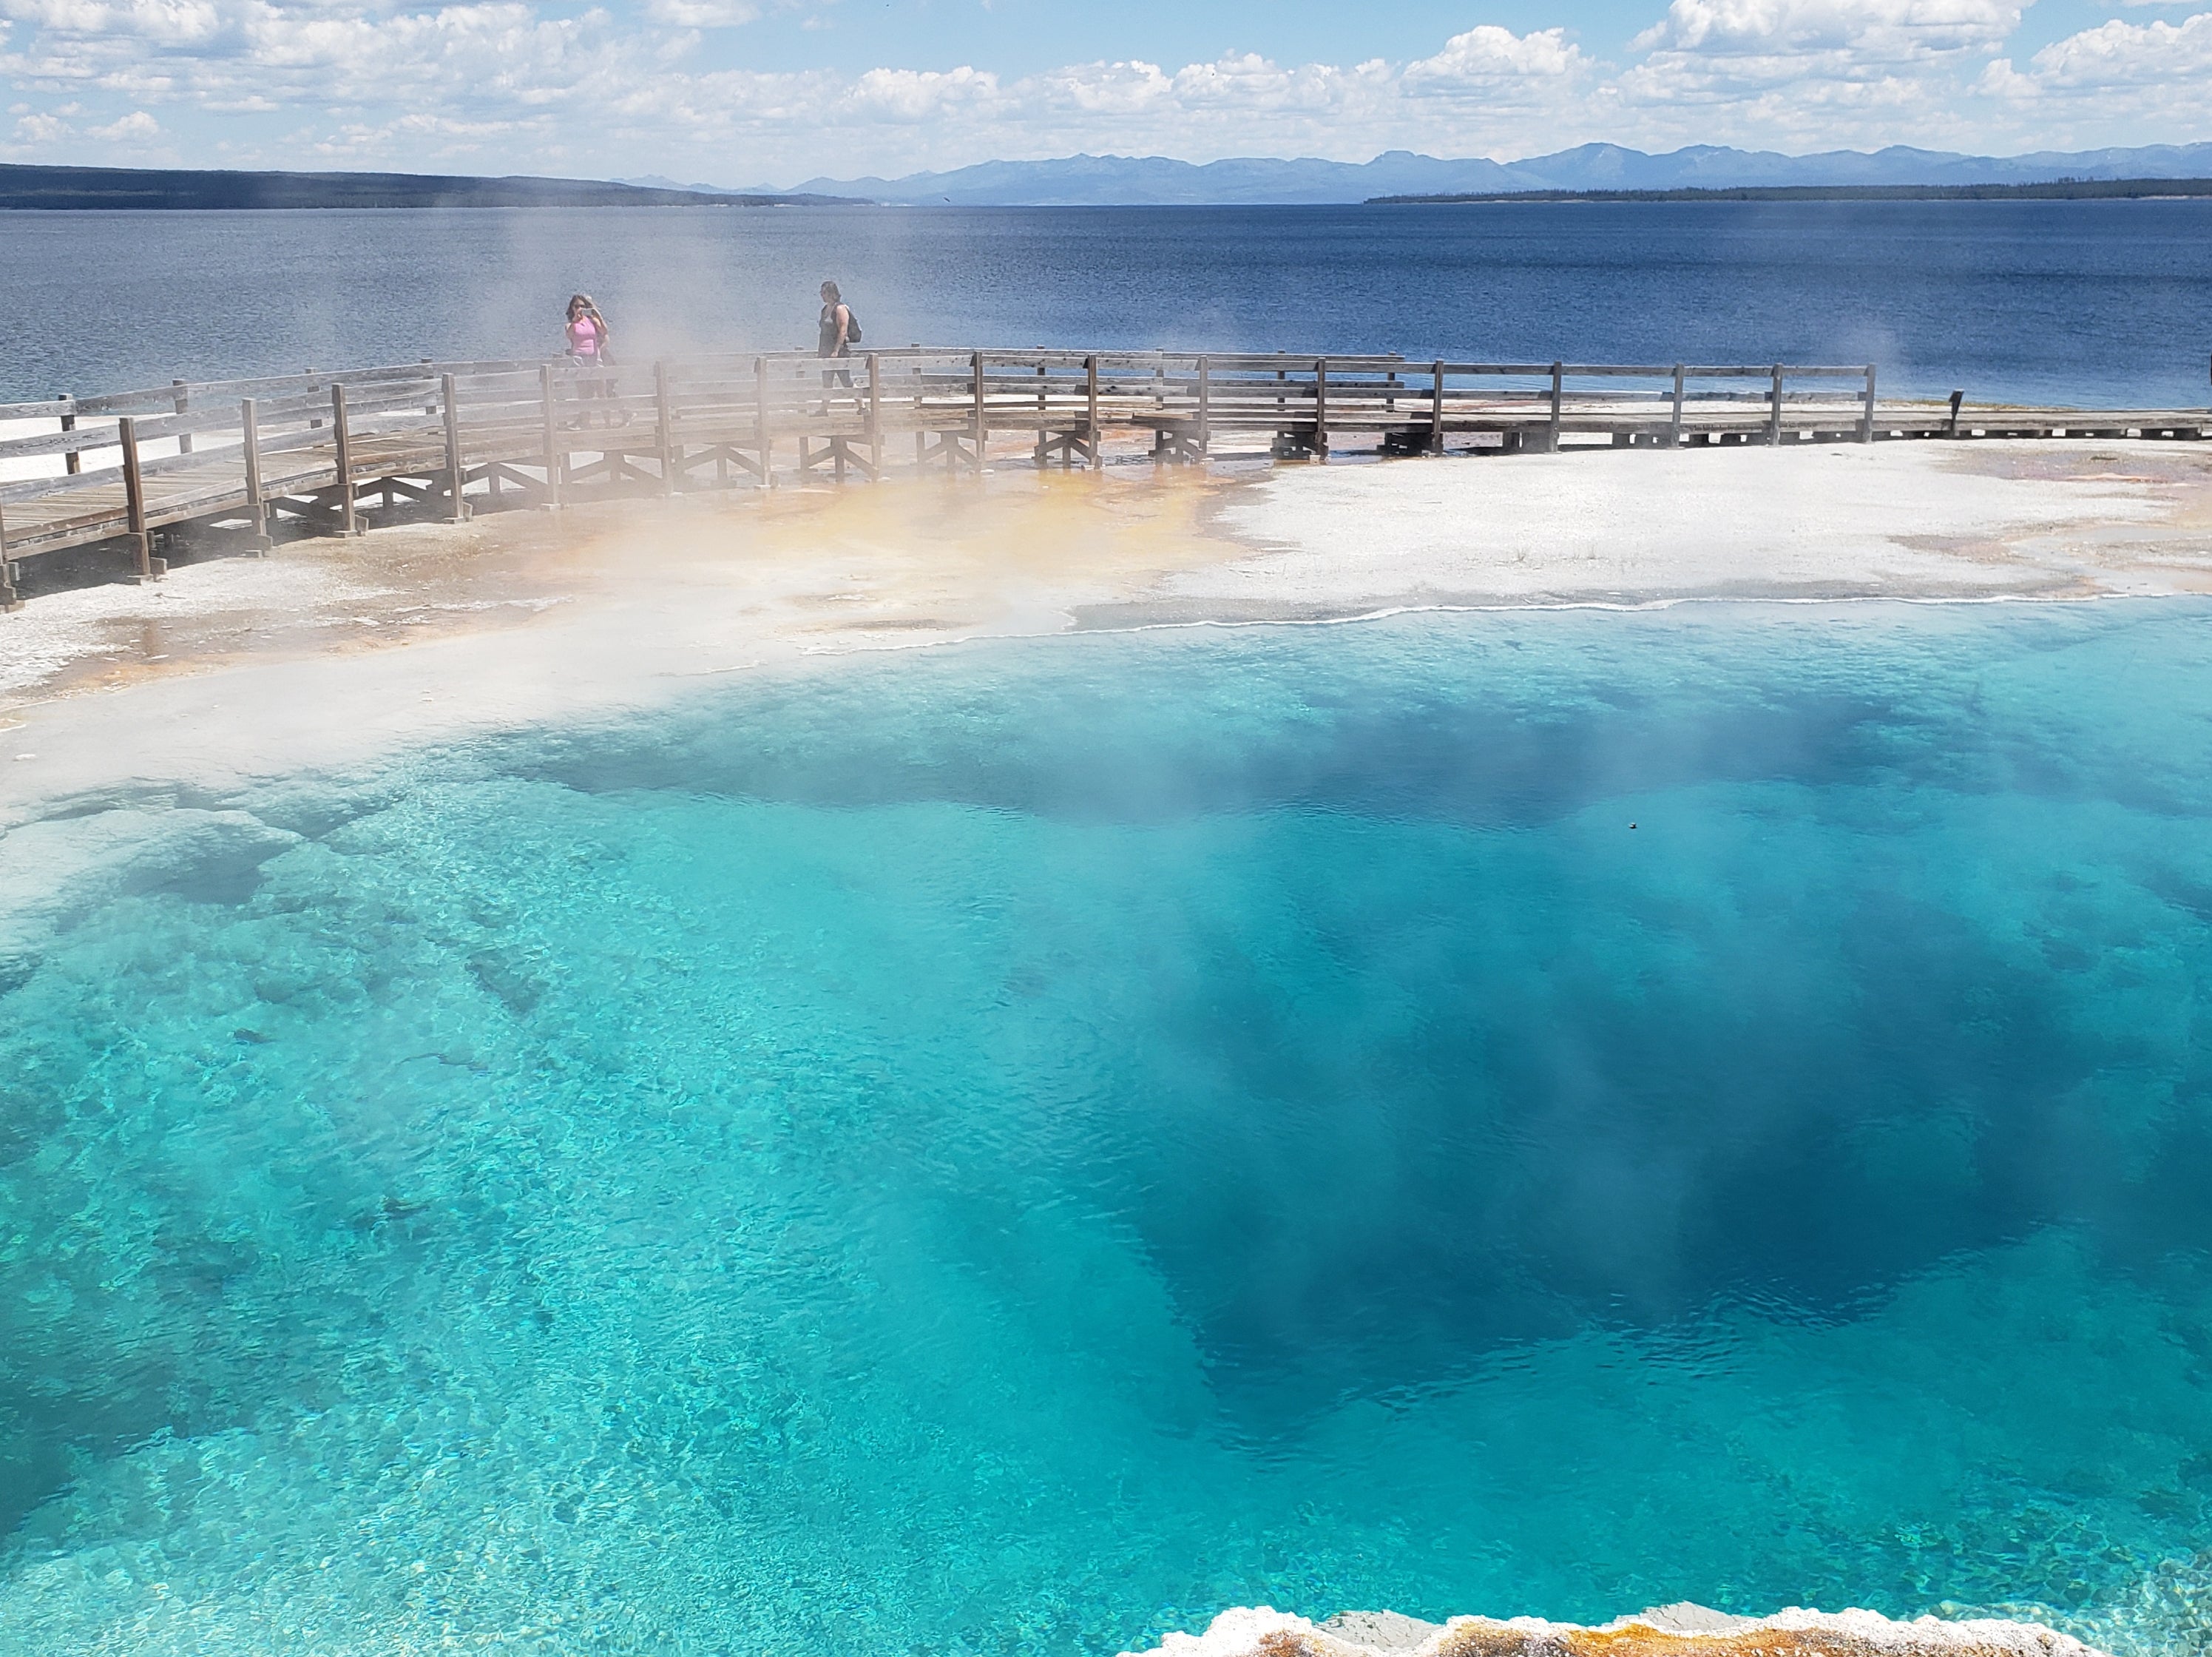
[(1774, 412), (10, 575), (454, 475), (1090, 407), (1205, 403), (249, 430), (1041, 389), (1558, 387), (1321, 409), (1437, 409), (349, 522), (134, 502), (663, 429), (184, 398), (552, 437), (1866, 426), (760, 421), (976, 367), (1952, 429), (1675, 420), (72, 462), (875, 419)]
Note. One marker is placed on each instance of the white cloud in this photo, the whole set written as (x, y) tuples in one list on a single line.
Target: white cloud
[(702, 13), (1885, 31), (1488, 56), (2118, 56), (2157, 72), (1815, 73), (135, 128), (516, 84)]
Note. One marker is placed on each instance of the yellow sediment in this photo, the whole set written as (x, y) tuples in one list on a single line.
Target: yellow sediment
[(331, 646)]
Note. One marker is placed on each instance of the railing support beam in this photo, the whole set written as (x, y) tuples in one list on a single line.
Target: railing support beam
[(134, 505), (456, 479), (349, 522), (249, 427)]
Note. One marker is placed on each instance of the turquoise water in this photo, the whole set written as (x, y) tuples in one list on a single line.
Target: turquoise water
[(1016, 1148)]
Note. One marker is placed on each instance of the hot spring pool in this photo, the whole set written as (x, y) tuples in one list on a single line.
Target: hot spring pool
[(1016, 1148)]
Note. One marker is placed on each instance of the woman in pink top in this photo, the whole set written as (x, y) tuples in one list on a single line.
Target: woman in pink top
[(588, 348)]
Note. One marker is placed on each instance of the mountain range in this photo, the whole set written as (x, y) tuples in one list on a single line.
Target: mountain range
[(1111, 180)]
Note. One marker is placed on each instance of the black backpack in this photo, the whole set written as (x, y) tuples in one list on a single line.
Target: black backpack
[(852, 327)]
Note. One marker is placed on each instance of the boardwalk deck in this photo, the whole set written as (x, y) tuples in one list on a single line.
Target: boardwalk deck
[(322, 449)]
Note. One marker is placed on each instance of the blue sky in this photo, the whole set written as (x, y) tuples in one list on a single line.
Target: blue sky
[(776, 91)]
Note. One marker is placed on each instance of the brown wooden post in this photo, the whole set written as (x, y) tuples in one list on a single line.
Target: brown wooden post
[(1091, 409), (1321, 409), (1774, 411), (977, 362), (1205, 403), (249, 428), (348, 523), (314, 423), (875, 419), (9, 598), (1558, 391), (134, 500), (183, 406), (1437, 409), (454, 478), (1675, 420), (553, 457), (1866, 425), (72, 462), (1041, 419), (760, 421), (1957, 397), (663, 429)]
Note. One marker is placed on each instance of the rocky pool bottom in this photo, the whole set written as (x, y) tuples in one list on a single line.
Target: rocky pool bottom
[(1024, 1148)]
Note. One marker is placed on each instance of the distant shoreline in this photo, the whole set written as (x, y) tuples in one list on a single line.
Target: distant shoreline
[(131, 189), (2056, 190)]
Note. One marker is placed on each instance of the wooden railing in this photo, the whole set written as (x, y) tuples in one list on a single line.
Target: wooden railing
[(322, 448)]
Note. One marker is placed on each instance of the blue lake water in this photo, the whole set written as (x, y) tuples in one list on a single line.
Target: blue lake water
[(1013, 1149), (2094, 302)]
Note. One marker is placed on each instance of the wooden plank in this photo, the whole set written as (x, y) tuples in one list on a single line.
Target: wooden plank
[(456, 480), (1774, 410), (1675, 421), (875, 417), (980, 430), (662, 434), (553, 457), (342, 427), (134, 494), (10, 571), (249, 426), (1091, 410), (760, 421)]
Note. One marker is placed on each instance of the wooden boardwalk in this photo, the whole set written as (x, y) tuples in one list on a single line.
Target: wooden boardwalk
[(328, 451)]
